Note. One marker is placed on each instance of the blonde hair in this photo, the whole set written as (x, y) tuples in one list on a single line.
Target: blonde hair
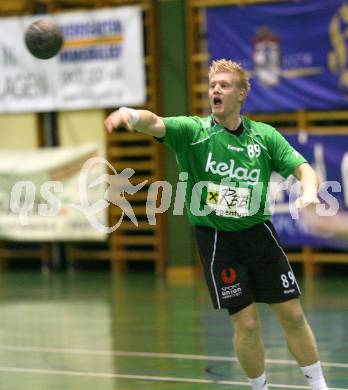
[(228, 66)]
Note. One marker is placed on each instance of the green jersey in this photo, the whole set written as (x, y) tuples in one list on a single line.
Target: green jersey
[(228, 175)]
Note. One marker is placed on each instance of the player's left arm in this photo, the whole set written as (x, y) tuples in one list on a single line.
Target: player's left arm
[(287, 161), (309, 183)]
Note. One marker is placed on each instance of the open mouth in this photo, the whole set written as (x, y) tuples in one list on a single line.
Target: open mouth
[(217, 101)]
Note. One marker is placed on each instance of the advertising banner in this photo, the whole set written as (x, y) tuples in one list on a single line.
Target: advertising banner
[(100, 65), (296, 52)]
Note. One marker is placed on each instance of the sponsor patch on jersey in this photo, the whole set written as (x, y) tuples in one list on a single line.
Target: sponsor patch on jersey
[(228, 201)]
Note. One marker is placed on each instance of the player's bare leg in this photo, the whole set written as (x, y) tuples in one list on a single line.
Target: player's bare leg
[(301, 341), (299, 336), (249, 346)]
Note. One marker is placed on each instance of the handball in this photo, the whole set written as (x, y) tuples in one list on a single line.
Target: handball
[(44, 39)]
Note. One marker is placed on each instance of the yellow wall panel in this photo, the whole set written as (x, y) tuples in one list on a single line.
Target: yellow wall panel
[(80, 127), (18, 131)]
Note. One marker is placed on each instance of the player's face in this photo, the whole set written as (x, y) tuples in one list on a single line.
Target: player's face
[(225, 95)]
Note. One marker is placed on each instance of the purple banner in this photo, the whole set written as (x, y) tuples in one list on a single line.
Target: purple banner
[(296, 53), (328, 155)]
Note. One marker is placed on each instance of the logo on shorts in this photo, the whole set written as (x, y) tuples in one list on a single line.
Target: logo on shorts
[(231, 291), (228, 277)]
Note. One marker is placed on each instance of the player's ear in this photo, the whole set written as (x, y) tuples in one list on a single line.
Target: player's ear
[(242, 95)]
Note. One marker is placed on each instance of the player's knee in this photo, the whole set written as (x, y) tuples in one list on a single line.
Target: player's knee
[(249, 327), (294, 320)]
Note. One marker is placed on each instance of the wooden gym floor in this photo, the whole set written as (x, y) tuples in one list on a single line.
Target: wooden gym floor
[(94, 330)]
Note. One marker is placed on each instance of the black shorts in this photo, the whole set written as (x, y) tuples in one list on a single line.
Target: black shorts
[(245, 267)]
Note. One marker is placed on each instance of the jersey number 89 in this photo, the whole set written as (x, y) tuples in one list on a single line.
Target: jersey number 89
[(254, 150)]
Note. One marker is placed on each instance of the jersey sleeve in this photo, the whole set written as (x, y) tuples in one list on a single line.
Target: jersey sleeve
[(180, 131), (285, 158)]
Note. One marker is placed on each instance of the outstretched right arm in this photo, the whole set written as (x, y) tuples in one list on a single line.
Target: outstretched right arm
[(143, 121), (335, 226)]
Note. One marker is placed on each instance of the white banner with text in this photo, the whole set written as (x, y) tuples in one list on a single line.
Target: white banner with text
[(100, 65)]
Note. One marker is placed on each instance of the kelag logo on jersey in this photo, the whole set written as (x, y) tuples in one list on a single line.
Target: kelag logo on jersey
[(230, 170)]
